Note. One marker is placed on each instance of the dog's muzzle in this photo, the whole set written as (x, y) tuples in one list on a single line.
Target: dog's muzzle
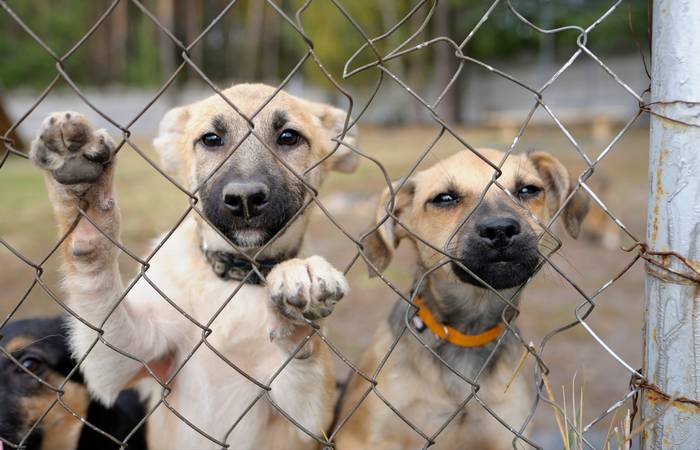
[(500, 252), (250, 212)]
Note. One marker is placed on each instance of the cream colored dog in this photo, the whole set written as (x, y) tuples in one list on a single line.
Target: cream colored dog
[(250, 199)]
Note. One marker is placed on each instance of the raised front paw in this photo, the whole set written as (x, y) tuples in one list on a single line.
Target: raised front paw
[(70, 150), (306, 288)]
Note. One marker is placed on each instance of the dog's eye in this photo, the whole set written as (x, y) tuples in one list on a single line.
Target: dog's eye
[(30, 363), (528, 190), (445, 198), (212, 140), (289, 138)]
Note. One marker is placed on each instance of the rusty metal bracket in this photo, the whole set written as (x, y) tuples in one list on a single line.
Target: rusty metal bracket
[(637, 382), (663, 260)]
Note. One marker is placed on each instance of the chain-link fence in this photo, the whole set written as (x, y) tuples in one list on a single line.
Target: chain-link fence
[(368, 59)]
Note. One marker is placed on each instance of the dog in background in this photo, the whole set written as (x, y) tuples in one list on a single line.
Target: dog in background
[(598, 228), (250, 191), (40, 346), (458, 316)]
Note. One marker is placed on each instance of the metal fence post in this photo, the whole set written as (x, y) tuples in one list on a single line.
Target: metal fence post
[(672, 308)]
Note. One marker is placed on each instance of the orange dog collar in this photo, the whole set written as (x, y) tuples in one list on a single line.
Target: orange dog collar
[(452, 335)]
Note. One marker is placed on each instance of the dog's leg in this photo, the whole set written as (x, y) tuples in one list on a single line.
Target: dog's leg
[(79, 166), (304, 289)]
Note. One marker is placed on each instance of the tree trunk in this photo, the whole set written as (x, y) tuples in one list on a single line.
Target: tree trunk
[(228, 46), (445, 66), (253, 35), (118, 40), (415, 66), (99, 46), (389, 18), (165, 12), (193, 18), (271, 48)]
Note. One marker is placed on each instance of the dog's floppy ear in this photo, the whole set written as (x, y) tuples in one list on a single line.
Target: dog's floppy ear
[(170, 134), (558, 181), (333, 122), (379, 245)]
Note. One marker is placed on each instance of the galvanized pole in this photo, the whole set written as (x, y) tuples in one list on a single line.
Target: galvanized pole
[(672, 305)]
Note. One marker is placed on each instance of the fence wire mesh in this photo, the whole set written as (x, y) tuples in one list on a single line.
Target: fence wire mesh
[(422, 13)]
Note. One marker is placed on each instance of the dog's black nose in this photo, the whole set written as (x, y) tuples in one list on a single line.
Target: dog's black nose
[(246, 199), (498, 232)]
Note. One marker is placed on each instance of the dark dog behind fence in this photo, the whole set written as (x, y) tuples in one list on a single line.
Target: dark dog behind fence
[(380, 65)]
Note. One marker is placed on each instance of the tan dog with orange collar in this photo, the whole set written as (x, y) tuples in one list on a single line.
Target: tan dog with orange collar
[(459, 319)]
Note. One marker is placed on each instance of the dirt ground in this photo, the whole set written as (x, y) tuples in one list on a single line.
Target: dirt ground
[(151, 205)]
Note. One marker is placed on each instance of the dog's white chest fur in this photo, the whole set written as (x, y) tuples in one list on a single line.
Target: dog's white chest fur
[(208, 391)]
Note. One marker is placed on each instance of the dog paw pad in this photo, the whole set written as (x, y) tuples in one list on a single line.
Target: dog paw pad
[(70, 150)]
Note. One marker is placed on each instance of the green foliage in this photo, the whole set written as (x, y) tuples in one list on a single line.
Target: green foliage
[(24, 61), (335, 37), (61, 23), (144, 70)]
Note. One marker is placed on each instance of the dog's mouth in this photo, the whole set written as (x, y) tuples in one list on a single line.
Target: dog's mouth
[(498, 270), (249, 237), (250, 234), (255, 232)]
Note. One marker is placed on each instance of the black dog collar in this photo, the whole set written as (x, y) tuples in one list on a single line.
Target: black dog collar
[(229, 266)]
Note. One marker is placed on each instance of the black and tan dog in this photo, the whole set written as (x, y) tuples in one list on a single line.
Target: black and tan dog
[(458, 317), (41, 347)]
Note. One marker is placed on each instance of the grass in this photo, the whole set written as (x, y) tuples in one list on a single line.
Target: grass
[(569, 419)]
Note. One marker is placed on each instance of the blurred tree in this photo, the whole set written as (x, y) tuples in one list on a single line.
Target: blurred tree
[(446, 64), (167, 49), (142, 66), (118, 42), (191, 14), (253, 37), (252, 42), (107, 47), (24, 62), (271, 46)]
